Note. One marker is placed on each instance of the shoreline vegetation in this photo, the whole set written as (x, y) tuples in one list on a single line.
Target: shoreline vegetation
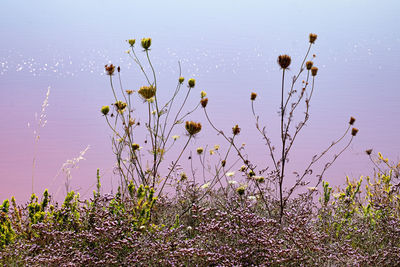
[(240, 215)]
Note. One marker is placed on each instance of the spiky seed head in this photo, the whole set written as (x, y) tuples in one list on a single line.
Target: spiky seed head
[(314, 71), (354, 131), (120, 106), (105, 110), (110, 69), (147, 92), (135, 146), (203, 94), (352, 120), (253, 96), (200, 150), (204, 102), (132, 42), (284, 61), (191, 83), (236, 130), (146, 43), (368, 151), (193, 127), (312, 38), (240, 190), (309, 65)]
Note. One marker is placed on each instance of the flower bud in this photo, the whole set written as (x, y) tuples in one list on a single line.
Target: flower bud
[(312, 37), (146, 43), (284, 61), (354, 131), (352, 120), (203, 94), (253, 96), (309, 65), (223, 163), (132, 42), (314, 71), (204, 102), (181, 79), (191, 83), (105, 110), (240, 190), (200, 150)]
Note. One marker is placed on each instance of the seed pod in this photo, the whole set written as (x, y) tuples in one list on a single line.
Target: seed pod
[(354, 131), (309, 65), (204, 102), (352, 120), (253, 96), (314, 71), (181, 79)]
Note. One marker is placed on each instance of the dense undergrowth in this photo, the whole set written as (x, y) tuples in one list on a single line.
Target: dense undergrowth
[(268, 218), (358, 226)]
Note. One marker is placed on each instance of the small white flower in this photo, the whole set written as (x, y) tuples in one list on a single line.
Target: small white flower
[(230, 174), (252, 198), (189, 228), (232, 182), (175, 137), (204, 186), (312, 188)]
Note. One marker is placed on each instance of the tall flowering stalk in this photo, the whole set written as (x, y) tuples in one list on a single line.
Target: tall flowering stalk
[(132, 162)]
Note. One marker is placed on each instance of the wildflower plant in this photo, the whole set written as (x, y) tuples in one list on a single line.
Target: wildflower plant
[(139, 161), (292, 99)]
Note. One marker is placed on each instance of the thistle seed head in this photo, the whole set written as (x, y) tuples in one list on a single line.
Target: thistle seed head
[(192, 127), (284, 61), (147, 92), (120, 106), (110, 69), (312, 37), (236, 130)]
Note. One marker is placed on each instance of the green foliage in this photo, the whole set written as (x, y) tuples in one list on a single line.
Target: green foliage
[(7, 234), (137, 205), (36, 209)]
